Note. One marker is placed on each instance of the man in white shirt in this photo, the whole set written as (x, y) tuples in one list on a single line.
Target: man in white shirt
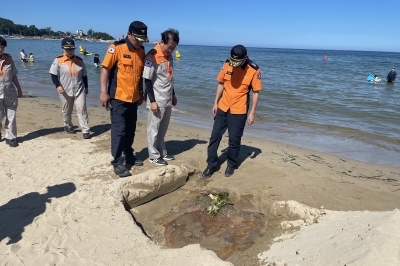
[(22, 55)]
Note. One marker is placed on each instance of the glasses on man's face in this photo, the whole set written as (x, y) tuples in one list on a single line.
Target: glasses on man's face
[(169, 47)]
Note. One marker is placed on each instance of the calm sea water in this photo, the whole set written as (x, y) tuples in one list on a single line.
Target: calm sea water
[(306, 101)]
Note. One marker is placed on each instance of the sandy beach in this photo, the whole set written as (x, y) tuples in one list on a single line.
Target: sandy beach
[(62, 204)]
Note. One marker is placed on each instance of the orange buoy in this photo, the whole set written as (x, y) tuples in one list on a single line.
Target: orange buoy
[(325, 58)]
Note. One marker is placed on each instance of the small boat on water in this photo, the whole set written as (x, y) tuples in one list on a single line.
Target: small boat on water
[(373, 78), (83, 51), (177, 54)]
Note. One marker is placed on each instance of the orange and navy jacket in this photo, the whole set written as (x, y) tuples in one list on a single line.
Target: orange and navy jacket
[(238, 82), (126, 66)]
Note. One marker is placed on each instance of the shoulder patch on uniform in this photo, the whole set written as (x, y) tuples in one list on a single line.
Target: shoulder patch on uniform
[(253, 65), (259, 76), (61, 55), (127, 56), (148, 63), (111, 50), (119, 42), (152, 52)]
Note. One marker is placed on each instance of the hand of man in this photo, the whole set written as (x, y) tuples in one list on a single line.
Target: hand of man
[(19, 93), (86, 91), (214, 109), (174, 100), (140, 100), (104, 99), (250, 119), (154, 107), (60, 90)]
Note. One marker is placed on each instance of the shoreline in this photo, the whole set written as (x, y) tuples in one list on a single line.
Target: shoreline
[(350, 145), (305, 128)]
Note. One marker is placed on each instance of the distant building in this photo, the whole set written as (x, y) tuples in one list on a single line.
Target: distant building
[(79, 33)]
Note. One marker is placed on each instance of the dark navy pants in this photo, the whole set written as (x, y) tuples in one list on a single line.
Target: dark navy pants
[(235, 125), (123, 127)]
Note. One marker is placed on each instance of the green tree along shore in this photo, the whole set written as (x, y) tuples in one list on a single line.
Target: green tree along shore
[(8, 28)]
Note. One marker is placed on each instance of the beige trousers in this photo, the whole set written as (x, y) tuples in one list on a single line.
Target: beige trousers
[(157, 126), (67, 104), (8, 109)]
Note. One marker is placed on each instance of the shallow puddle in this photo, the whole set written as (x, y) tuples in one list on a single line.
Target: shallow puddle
[(234, 228)]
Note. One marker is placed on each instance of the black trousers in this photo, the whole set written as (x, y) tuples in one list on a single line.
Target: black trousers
[(123, 127), (235, 125)]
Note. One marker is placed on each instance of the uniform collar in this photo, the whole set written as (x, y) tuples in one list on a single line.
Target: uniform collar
[(3, 55), (245, 64), (128, 42), (159, 51), (66, 58)]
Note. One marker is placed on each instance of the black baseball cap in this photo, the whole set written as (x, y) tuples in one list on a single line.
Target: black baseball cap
[(67, 43), (393, 68), (238, 54), (139, 31)]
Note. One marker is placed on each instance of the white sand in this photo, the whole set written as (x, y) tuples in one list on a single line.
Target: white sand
[(339, 238), (87, 227)]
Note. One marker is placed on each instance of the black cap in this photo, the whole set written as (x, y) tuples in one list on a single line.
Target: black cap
[(68, 43), (139, 31), (238, 54)]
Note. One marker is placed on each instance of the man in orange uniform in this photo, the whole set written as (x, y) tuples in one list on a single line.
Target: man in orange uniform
[(237, 78), (122, 92)]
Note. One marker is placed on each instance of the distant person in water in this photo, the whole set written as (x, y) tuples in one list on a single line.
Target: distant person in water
[(31, 58), (391, 76), (85, 52), (22, 55), (96, 60)]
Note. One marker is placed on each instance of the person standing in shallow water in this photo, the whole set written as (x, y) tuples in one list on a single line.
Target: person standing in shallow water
[(391, 77), (159, 82), (22, 56), (96, 60), (238, 76), (68, 73), (8, 95)]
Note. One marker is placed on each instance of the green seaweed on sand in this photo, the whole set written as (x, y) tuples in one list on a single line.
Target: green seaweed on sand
[(218, 201)]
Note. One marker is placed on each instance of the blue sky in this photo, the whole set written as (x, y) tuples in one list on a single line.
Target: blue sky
[(326, 24)]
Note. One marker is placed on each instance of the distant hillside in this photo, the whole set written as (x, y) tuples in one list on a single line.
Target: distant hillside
[(9, 28)]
